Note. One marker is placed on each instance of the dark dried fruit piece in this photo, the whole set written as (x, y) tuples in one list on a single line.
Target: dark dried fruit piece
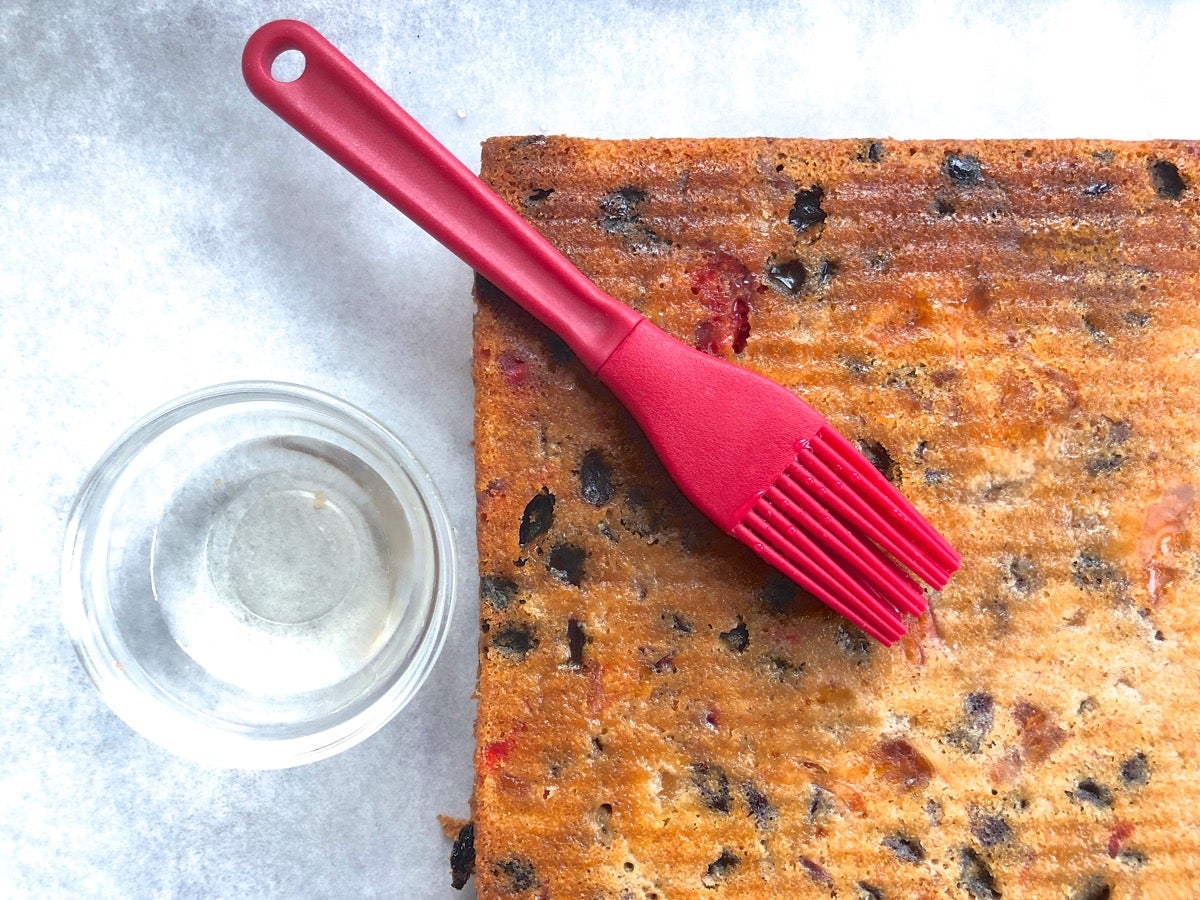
[(566, 562), (576, 638), (1167, 180), (806, 212), (620, 208), (820, 805), (514, 640), (1117, 433), (737, 638), (1094, 888), (816, 871), (976, 878), (907, 849), (783, 669), (711, 782), (989, 829), (787, 276), (1092, 792), (537, 518), (1137, 318), (462, 857), (709, 336), (1135, 859), (1095, 332), (853, 642), (620, 213), (499, 592), (1107, 450), (643, 516), (1021, 575), (978, 707), (978, 718), (858, 366), (779, 593), (761, 810), (933, 809), (720, 868), (1094, 573), (595, 478), (1135, 771), (680, 625), (868, 891), (661, 663), (963, 168), (518, 872), (826, 270), (877, 455), (1097, 189), (871, 153)]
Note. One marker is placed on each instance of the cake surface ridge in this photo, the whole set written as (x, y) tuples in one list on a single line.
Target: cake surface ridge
[(1010, 332)]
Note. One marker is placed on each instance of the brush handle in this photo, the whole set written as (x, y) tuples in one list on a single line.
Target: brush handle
[(347, 115)]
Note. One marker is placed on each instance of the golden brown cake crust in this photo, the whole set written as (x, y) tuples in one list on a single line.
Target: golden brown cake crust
[(1011, 332)]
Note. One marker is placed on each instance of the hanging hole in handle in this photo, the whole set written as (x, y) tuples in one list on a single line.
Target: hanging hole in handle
[(287, 66)]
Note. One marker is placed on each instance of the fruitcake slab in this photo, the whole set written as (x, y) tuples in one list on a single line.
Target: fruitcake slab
[(1010, 331)]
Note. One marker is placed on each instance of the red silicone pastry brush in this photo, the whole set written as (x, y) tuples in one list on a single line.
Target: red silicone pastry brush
[(750, 454)]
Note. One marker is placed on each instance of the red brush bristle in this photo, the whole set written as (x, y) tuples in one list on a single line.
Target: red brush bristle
[(846, 462), (818, 584), (800, 547), (862, 559), (836, 527), (879, 512)]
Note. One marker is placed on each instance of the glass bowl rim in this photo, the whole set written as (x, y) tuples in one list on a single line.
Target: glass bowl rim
[(176, 728)]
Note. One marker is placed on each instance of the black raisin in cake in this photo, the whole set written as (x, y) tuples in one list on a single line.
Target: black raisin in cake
[(1011, 333)]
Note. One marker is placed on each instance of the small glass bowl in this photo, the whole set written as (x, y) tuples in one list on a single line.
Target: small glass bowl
[(258, 575)]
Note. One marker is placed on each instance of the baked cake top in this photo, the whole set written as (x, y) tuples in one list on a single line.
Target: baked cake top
[(1009, 330)]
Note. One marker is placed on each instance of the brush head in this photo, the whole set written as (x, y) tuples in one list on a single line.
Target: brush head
[(837, 532), (770, 471)]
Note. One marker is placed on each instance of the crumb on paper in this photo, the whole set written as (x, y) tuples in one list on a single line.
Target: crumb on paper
[(451, 826)]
